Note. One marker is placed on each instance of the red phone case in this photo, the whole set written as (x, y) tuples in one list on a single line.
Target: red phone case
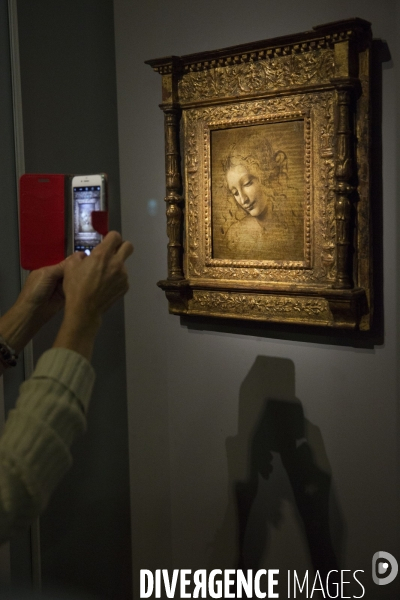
[(42, 220)]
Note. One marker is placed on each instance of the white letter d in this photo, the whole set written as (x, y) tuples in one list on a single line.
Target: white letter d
[(145, 573)]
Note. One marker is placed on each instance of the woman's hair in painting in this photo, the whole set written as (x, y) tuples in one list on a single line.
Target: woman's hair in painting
[(256, 153), (253, 150)]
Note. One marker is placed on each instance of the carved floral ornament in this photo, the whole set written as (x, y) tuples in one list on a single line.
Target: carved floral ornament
[(269, 74), (255, 306), (201, 264), (273, 184)]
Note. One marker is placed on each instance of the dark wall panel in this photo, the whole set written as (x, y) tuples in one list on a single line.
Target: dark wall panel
[(70, 126)]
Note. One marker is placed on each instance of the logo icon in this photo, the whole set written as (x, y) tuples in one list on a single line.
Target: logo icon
[(384, 568)]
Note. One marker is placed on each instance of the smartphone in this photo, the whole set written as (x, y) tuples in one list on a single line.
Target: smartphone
[(41, 219), (89, 193)]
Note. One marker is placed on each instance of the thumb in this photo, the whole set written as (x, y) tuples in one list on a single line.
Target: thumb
[(75, 257), (55, 271)]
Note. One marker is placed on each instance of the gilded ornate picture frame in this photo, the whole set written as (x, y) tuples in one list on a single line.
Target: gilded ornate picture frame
[(267, 177)]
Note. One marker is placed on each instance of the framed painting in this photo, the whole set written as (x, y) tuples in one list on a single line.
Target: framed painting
[(267, 178)]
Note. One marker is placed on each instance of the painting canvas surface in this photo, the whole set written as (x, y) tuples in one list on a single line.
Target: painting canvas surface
[(258, 191)]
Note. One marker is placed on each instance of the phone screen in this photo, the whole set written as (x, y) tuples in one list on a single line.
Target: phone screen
[(86, 200)]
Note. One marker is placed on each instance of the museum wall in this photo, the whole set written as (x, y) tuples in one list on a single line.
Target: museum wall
[(202, 394), (70, 126), (19, 550)]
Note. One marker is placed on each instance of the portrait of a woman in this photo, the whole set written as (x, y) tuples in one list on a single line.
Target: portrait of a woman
[(259, 210)]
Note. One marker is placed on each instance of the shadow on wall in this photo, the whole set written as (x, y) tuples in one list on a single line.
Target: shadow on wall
[(277, 467)]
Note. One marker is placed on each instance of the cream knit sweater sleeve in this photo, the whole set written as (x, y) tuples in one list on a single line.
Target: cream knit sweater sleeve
[(34, 447)]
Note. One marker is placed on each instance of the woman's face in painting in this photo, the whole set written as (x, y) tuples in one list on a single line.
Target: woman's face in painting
[(248, 191)]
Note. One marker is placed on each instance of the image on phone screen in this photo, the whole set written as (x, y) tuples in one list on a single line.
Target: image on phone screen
[(86, 200)]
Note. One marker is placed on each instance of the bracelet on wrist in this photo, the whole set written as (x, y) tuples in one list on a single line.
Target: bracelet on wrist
[(8, 356)]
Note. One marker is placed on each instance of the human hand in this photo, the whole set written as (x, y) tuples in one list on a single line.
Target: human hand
[(93, 283), (42, 294), (40, 298)]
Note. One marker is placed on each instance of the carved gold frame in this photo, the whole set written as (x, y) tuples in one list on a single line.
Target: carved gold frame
[(321, 77)]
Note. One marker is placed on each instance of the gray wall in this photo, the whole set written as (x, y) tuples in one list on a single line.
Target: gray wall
[(206, 399), (9, 252), (70, 126)]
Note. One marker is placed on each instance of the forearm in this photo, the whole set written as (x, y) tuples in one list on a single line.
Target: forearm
[(19, 324), (78, 332), (34, 449), (40, 298)]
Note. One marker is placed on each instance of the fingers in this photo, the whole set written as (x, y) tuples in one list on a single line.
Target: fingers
[(110, 243), (55, 271), (77, 256), (113, 244), (125, 250), (98, 280), (73, 261)]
